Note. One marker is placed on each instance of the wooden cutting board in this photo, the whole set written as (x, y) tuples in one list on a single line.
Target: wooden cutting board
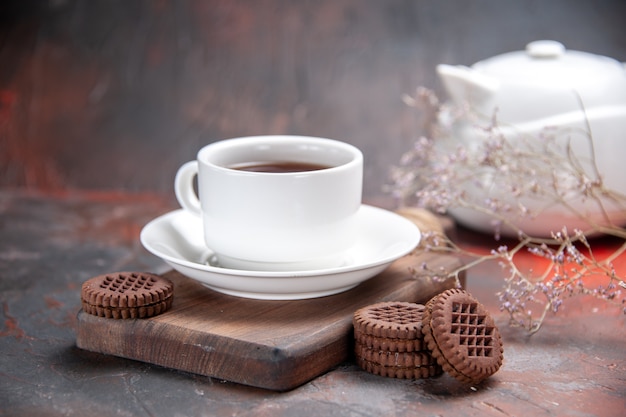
[(276, 345)]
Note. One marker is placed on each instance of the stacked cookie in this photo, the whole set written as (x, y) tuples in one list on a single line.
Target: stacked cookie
[(389, 341), (453, 333), (124, 295)]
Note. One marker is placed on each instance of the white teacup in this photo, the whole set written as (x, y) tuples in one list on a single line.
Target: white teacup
[(275, 221)]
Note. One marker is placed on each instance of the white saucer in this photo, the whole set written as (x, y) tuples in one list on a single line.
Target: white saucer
[(177, 238)]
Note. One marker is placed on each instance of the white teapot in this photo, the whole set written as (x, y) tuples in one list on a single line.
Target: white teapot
[(546, 88)]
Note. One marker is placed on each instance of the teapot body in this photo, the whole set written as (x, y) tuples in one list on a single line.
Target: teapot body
[(575, 99), (561, 183)]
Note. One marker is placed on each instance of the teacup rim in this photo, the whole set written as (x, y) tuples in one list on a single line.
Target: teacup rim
[(356, 160)]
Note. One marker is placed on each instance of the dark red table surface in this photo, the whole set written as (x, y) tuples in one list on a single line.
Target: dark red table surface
[(49, 244)]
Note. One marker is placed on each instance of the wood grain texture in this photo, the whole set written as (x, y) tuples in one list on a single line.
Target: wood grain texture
[(277, 345)]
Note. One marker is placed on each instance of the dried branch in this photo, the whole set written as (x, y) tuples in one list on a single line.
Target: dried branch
[(531, 173)]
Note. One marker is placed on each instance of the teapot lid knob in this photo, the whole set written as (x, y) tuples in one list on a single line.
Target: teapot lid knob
[(545, 49)]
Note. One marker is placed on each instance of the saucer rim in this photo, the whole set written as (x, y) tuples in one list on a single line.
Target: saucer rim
[(417, 235)]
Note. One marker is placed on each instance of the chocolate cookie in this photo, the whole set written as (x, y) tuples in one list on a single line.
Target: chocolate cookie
[(418, 372), (394, 359), (389, 341), (391, 320), (393, 345), (462, 336), (124, 295)]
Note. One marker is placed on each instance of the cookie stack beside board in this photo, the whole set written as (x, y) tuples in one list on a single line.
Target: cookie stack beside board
[(453, 332), (389, 341)]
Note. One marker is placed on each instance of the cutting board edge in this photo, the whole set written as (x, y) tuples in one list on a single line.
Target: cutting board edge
[(269, 367)]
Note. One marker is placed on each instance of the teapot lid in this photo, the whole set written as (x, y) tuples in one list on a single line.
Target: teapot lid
[(547, 62)]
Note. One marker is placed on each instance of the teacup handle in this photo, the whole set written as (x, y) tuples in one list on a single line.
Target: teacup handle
[(183, 187)]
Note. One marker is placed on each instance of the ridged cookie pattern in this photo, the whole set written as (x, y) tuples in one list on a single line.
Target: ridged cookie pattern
[(419, 372), (393, 345), (397, 359), (127, 295), (392, 320), (128, 312), (462, 336), (389, 341)]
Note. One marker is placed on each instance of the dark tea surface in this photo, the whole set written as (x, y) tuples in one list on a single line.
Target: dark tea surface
[(278, 166)]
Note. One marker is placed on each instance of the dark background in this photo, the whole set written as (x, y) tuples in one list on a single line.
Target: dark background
[(115, 95)]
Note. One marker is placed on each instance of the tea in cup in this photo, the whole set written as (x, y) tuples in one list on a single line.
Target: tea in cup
[(275, 203)]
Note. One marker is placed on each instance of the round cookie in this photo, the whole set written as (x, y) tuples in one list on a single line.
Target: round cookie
[(418, 372), (390, 320), (394, 359), (393, 345), (123, 295), (462, 336)]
